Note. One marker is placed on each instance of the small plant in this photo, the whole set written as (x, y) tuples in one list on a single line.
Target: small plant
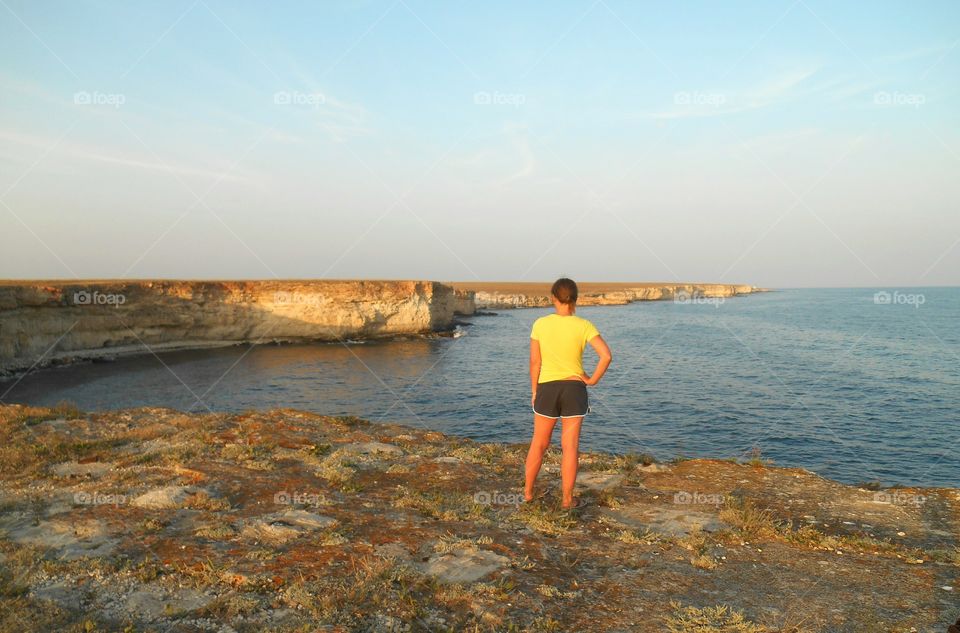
[(215, 531), (549, 522), (697, 543), (608, 499), (951, 557), (152, 525), (718, 619), (757, 460), (631, 537), (752, 521)]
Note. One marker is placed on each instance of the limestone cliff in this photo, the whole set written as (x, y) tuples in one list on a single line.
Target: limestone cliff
[(49, 322), (464, 302), (526, 295)]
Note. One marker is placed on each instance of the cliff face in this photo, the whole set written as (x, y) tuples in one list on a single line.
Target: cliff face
[(509, 298), (43, 323), (464, 302)]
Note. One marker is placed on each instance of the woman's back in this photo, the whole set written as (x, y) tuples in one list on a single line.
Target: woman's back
[(562, 340)]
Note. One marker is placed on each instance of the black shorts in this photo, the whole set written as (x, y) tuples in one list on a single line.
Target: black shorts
[(561, 399)]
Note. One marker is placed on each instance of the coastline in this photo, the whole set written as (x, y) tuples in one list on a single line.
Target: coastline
[(285, 519), (56, 322), (44, 323), (500, 295)]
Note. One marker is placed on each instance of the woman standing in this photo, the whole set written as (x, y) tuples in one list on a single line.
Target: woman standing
[(559, 384)]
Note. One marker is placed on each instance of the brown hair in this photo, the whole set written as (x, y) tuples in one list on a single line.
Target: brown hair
[(565, 290)]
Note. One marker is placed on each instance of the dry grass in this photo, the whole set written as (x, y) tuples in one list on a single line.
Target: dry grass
[(443, 505), (757, 460), (718, 619), (751, 521), (546, 521), (34, 415), (451, 542), (477, 453), (697, 543), (215, 531), (951, 557), (203, 501), (336, 468), (632, 537)]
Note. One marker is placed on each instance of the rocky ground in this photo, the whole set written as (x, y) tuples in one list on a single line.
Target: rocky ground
[(154, 520)]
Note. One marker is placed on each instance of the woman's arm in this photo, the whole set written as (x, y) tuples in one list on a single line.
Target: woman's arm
[(603, 351), (534, 367)]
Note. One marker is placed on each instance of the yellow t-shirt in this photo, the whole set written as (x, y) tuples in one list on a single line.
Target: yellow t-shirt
[(562, 339)]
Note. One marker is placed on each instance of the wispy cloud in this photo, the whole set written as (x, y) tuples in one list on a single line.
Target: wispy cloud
[(66, 149), (339, 118), (914, 53), (520, 140), (785, 88)]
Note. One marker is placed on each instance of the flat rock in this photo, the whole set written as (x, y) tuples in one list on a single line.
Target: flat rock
[(447, 459), (599, 481), (166, 497), (67, 540), (153, 603), (463, 565), (372, 448), (272, 532), (653, 468), (60, 593), (303, 519), (392, 550), (668, 521), (284, 526), (74, 469)]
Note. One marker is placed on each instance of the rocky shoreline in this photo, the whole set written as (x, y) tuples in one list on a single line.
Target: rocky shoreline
[(284, 520)]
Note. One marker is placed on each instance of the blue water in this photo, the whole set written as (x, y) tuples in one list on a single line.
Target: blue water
[(827, 380)]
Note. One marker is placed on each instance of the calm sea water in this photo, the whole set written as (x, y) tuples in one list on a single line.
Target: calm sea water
[(828, 380)]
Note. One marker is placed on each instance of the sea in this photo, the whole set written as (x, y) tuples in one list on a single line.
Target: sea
[(858, 385)]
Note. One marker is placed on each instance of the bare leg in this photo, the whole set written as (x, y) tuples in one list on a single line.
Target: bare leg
[(570, 441), (542, 430)]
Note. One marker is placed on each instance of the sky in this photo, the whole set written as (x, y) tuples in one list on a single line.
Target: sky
[(797, 143)]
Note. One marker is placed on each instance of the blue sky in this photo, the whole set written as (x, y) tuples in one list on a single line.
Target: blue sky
[(796, 143)]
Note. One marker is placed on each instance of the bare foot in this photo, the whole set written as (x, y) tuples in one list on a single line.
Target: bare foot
[(573, 503)]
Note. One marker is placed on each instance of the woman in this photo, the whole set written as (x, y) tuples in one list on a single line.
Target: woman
[(560, 386)]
